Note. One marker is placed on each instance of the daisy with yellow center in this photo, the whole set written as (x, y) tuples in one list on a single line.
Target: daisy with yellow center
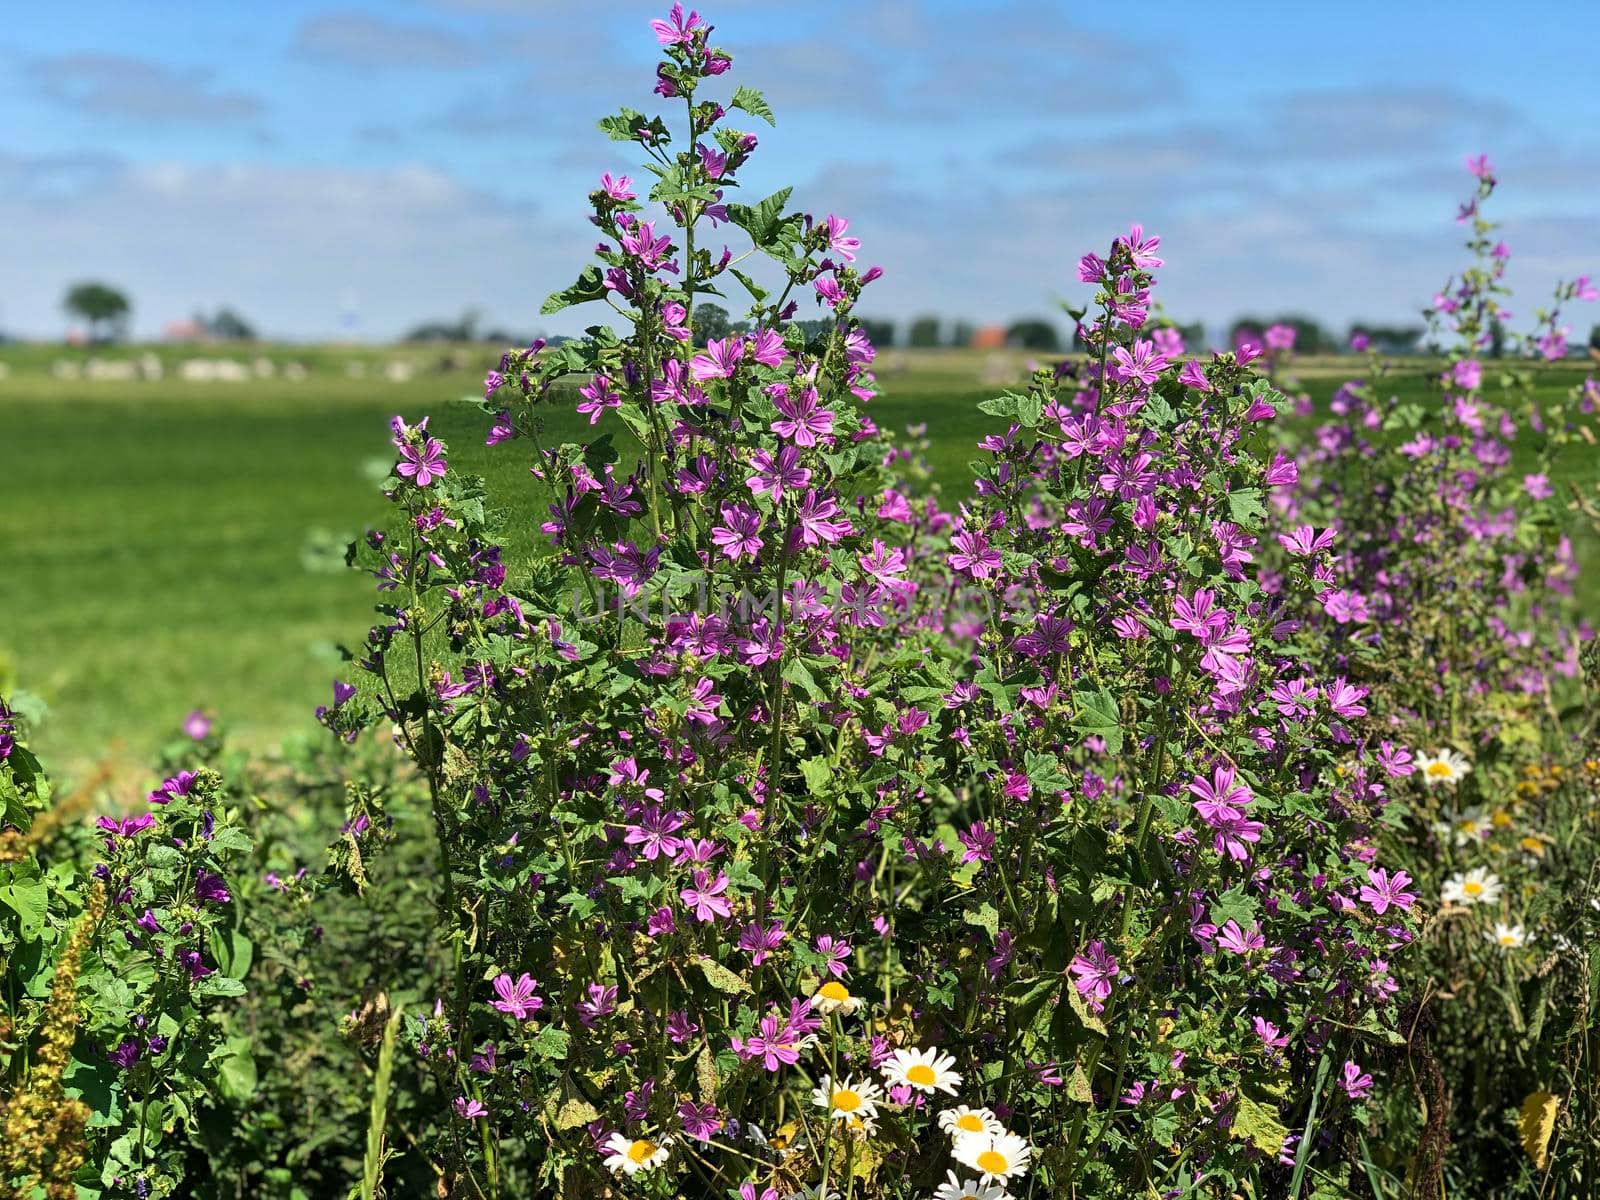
[(997, 1157), (1476, 886), (629, 1156), (834, 997), (1445, 767), (1501, 819), (961, 1119), (1507, 937), (926, 1070), (848, 1100), (956, 1188)]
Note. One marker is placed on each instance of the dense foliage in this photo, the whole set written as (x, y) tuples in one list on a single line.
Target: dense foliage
[(1196, 810)]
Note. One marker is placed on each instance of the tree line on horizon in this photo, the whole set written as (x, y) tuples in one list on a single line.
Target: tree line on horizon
[(106, 312)]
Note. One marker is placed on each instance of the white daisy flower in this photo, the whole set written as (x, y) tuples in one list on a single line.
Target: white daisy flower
[(814, 1192), (955, 1188), (1444, 767), (848, 1100), (1476, 886), (925, 1070), (961, 1119), (995, 1156), (833, 997), (1508, 937), (629, 1156)]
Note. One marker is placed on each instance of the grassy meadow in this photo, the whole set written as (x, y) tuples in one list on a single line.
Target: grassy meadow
[(172, 544)]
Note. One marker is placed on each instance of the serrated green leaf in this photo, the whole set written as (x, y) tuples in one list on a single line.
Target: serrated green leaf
[(1258, 1124), (719, 977), (1098, 715), (753, 102), (589, 286)]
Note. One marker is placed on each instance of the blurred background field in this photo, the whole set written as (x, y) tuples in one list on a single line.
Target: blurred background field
[(178, 542)]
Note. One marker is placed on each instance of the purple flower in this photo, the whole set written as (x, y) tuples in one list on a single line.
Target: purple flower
[(799, 416), (1356, 1084), (719, 360), (653, 829), (597, 397), (422, 464), (973, 554), (680, 1028), (738, 533), (1240, 941), (126, 827), (197, 725), (705, 899), (211, 888), (1096, 971), (700, 1121), (601, 1002), (517, 998), (833, 238), (173, 789), (1382, 889), (761, 940), (469, 1110), (978, 842)]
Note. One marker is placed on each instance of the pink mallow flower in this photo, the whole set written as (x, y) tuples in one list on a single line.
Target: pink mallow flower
[(1382, 889), (517, 997)]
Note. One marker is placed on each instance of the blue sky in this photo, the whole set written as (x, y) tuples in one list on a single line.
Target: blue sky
[(305, 159)]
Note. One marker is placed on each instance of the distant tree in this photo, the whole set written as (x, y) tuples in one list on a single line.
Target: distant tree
[(1497, 338), (711, 321), (1594, 337), (102, 307), (1389, 339), (227, 326), (923, 333), (1033, 333), (880, 333), (961, 333), (463, 329)]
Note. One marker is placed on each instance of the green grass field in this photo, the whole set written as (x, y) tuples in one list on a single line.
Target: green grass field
[(171, 544)]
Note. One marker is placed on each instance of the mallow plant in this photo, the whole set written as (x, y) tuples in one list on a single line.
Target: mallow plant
[(797, 837), (1452, 601)]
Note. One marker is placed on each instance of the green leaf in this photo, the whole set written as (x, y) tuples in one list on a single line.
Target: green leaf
[(1004, 406), (985, 917), (1028, 998), (763, 221), (818, 773), (552, 1042), (1086, 1015), (233, 951), (576, 1111), (24, 892), (589, 286), (236, 1070), (1078, 1086), (218, 984), (719, 977), (757, 292), (753, 102), (1245, 507), (1258, 1124), (797, 674), (1098, 715)]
